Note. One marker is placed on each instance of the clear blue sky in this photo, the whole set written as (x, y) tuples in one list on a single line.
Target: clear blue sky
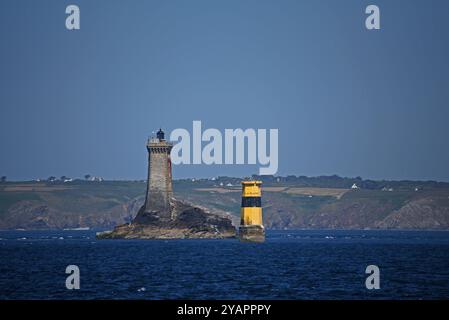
[(346, 100)]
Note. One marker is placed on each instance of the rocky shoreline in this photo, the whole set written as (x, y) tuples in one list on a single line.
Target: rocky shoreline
[(188, 222)]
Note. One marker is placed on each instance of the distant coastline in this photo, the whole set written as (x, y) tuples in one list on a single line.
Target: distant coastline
[(292, 203)]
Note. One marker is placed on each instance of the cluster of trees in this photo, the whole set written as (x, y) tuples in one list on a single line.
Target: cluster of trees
[(87, 177), (335, 181)]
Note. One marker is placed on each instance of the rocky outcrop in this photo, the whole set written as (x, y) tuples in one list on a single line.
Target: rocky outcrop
[(187, 222)]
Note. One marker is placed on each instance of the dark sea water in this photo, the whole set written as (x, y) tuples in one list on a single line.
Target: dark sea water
[(289, 265)]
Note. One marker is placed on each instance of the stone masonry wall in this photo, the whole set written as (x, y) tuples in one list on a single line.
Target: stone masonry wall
[(159, 187)]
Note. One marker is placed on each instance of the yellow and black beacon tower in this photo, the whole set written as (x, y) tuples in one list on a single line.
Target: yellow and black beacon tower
[(251, 225)]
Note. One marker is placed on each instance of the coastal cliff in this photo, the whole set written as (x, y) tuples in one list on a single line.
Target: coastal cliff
[(303, 203)]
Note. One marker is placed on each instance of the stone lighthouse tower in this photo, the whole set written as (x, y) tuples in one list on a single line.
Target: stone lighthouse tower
[(164, 217), (159, 186)]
